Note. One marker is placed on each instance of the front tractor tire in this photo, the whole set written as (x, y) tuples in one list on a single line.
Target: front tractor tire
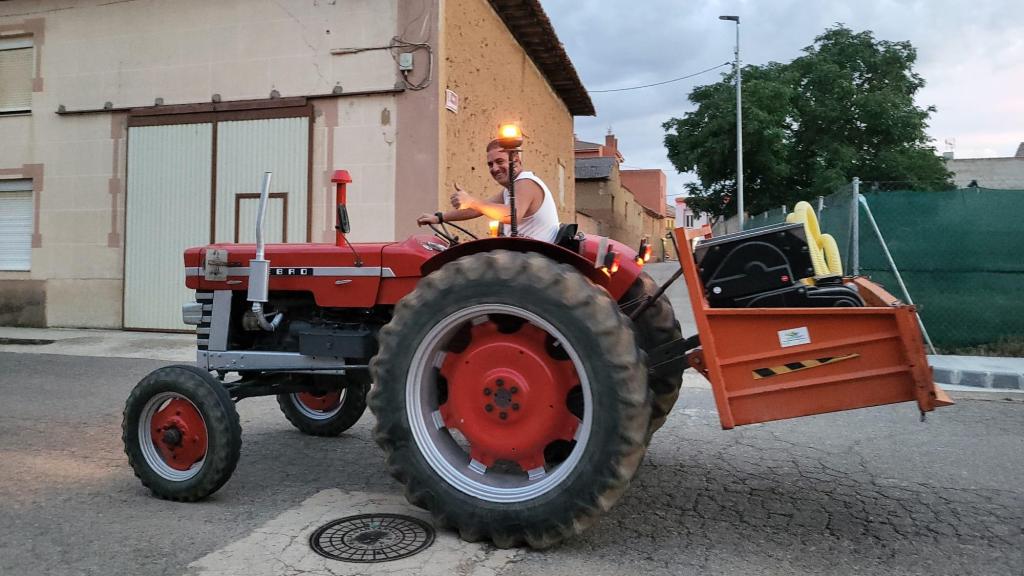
[(181, 433), (331, 406), (511, 398)]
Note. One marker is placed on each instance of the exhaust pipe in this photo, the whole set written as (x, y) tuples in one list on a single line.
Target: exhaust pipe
[(259, 268)]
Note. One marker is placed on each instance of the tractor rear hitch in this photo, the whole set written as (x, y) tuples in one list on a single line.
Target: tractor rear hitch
[(671, 357)]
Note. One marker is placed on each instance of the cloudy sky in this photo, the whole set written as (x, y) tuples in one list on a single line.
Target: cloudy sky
[(970, 53)]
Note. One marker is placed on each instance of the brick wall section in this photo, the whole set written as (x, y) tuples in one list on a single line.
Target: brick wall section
[(648, 186), (587, 225)]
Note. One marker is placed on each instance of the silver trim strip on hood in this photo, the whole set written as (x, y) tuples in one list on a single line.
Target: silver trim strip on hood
[(349, 271)]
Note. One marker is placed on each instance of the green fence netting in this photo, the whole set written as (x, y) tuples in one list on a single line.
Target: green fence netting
[(960, 253)]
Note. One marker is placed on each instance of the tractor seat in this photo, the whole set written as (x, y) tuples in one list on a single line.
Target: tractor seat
[(566, 237)]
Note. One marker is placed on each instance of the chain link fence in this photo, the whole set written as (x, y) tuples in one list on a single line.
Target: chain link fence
[(960, 254)]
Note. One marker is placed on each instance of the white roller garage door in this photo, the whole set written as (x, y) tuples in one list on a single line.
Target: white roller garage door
[(168, 210), (170, 205)]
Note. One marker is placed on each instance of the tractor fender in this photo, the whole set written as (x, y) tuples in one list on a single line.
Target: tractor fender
[(616, 284)]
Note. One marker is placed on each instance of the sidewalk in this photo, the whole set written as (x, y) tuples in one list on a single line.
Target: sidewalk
[(954, 373), (978, 372), (101, 343)]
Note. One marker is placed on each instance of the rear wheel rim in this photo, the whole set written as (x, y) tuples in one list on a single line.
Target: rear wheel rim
[(173, 436), (448, 446), (319, 406)]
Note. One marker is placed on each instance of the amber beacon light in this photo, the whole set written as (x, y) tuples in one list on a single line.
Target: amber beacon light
[(509, 136)]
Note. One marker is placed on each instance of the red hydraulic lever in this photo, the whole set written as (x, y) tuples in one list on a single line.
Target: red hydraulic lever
[(341, 179)]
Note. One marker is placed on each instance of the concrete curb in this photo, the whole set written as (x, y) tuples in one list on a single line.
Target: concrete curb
[(978, 372)]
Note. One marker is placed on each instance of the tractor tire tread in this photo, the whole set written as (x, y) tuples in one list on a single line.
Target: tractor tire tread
[(657, 325)]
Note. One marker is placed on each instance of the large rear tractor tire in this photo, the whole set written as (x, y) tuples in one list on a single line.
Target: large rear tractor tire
[(334, 405), (511, 398), (181, 433), (655, 326)]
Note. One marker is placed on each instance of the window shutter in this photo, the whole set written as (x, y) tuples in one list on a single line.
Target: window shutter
[(16, 80), (15, 224)]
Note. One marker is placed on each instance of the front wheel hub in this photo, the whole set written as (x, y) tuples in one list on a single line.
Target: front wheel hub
[(172, 437), (179, 434), (507, 395)]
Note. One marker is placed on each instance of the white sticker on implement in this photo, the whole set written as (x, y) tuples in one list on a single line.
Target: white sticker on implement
[(794, 337)]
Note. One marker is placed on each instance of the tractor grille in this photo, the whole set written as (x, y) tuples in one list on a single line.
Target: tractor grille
[(203, 328)]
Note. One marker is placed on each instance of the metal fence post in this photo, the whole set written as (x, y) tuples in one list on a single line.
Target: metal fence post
[(821, 206), (855, 228), (895, 271)]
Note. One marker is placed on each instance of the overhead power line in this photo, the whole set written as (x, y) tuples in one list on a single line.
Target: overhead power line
[(661, 83)]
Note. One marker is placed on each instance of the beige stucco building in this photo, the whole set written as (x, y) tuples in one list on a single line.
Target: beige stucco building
[(131, 130)]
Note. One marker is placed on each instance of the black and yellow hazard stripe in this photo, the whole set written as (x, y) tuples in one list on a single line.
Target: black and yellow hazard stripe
[(796, 366)]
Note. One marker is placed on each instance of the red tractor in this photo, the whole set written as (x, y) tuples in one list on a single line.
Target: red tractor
[(516, 383), (512, 398)]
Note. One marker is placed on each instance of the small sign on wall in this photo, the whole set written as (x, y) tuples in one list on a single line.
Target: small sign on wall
[(451, 101)]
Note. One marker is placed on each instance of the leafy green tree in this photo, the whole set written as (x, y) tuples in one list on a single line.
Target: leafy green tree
[(843, 109)]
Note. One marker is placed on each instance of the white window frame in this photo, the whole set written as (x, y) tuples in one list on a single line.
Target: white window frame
[(561, 184), (12, 191), (19, 43)]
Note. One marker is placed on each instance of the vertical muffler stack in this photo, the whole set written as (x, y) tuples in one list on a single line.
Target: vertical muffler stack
[(259, 270)]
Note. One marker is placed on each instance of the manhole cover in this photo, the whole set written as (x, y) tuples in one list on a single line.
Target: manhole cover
[(372, 538)]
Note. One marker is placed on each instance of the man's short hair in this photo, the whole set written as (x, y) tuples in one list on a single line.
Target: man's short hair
[(494, 145)]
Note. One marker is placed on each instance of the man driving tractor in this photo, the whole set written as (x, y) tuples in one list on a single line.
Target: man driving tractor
[(535, 206)]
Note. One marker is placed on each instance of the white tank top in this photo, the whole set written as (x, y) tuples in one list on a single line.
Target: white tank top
[(542, 224)]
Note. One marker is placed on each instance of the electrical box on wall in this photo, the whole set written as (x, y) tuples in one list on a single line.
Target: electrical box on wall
[(405, 61)]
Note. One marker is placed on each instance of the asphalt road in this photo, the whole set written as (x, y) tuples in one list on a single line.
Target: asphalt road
[(872, 491)]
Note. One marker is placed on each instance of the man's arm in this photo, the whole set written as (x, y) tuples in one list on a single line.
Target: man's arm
[(528, 197), (462, 211), (456, 215)]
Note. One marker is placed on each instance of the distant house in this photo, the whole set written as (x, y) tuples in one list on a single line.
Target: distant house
[(626, 205), (685, 216), (1005, 173)]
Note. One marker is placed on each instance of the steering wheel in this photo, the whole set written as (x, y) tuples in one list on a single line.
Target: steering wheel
[(457, 227), (444, 233)]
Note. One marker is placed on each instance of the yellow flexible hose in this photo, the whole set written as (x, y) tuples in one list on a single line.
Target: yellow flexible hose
[(823, 250), (832, 258)]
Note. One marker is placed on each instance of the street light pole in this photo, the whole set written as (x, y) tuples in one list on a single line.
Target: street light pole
[(739, 121)]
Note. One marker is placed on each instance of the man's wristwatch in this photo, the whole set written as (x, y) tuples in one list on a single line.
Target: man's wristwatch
[(440, 217)]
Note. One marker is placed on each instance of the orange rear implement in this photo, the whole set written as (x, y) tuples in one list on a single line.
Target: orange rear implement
[(775, 363)]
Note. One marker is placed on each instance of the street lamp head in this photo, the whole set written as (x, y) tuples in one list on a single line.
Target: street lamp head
[(735, 19)]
